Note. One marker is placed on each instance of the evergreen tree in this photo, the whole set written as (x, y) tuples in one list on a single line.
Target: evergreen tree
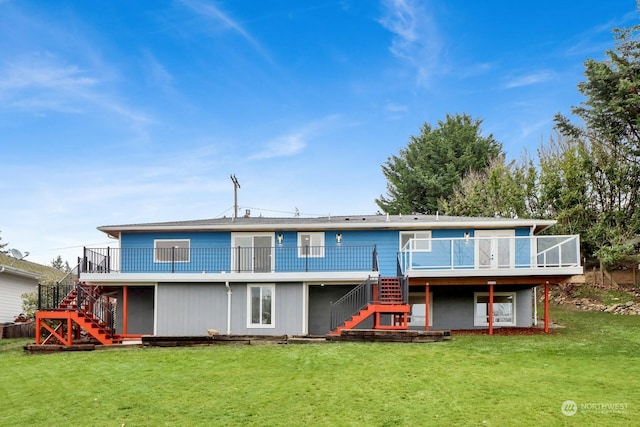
[(610, 144), (3, 246), (433, 163)]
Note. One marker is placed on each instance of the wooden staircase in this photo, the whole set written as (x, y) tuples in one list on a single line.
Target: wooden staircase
[(384, 296), (83, 313)]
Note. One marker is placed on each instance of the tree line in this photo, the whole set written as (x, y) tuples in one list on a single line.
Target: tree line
[(587, 176)]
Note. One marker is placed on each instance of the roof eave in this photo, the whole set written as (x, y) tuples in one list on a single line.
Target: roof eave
[(19, 272), (540, 225)]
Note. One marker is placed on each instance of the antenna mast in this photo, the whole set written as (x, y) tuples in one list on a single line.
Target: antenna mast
[(236, 185)]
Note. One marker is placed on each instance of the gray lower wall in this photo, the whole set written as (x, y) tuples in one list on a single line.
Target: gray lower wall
[(192, 309), (140, 306), (320, 299), (454, 308)]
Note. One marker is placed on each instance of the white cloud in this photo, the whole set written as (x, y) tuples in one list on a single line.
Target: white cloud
[(41, 73), (42, 82), (156, 72), (416, 39), (529, 79), (392, 107), (294, 142), (395, 111), (215, 14), (283, 146)]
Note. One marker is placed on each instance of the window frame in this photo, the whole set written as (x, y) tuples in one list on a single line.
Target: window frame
[(316, 249), (420, 296), (156, 251), (414, 235), (272, 288), (477, 319)]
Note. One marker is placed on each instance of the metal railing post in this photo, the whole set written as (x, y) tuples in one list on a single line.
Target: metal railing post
[(306, 258), (79, 297)]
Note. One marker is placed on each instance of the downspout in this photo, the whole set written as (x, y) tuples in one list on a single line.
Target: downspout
[(535, 306), (228, 307), (534, 251)]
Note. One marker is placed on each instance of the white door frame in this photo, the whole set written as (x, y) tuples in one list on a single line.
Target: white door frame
[(497, 240)]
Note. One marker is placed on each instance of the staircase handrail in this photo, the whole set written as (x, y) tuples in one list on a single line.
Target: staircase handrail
[(353, 301), (74, 270), (97, 307)]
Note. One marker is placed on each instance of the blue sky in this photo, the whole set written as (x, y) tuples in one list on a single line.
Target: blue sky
[(116, 112)]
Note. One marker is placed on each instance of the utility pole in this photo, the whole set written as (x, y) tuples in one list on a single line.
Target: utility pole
[(236, 185)]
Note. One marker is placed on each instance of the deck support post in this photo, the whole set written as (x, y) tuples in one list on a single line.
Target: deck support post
[(491, 307), (426, 307), (69, 331), (38, 333), (546, 307), (125, 309)]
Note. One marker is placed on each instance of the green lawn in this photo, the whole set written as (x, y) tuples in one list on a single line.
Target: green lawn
[(472, 380)]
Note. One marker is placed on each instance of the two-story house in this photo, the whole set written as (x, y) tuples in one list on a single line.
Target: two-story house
[(313, 276)]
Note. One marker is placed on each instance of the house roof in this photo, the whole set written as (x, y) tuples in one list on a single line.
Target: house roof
[(364, 222), (24, 268)]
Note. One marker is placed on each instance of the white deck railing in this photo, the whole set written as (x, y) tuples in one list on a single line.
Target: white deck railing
[(484, 253)]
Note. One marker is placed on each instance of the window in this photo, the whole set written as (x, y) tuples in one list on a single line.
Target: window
[(261, 304), (504, 309), (311, 245), (420, 240), (252, 252), (171, 250), (418, 316)]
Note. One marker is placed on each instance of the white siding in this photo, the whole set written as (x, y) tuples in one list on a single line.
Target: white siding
[(11, 290)]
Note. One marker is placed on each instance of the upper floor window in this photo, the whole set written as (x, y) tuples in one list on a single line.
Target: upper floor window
[(171, 250), (311, 244), (420, 240)]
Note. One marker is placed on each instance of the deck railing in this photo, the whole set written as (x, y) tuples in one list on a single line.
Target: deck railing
[(51, 295), (280, 259), (531, 252)]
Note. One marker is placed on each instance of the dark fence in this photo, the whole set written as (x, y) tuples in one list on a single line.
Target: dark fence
[(18, 330)]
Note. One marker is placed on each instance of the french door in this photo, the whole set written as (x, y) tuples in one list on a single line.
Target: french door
[(495, 248)]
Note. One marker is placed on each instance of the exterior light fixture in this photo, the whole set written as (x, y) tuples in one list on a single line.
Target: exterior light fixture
[(338, 238), (280, 239), (466, 237)]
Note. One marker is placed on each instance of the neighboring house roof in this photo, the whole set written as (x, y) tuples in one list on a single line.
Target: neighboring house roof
[(367, 222), (21, 267)]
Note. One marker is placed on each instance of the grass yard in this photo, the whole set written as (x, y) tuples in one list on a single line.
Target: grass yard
[(472, 380)]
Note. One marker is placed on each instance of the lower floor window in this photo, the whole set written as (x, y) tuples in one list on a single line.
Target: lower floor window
[(418, 315), (504, 309), (261, 302)]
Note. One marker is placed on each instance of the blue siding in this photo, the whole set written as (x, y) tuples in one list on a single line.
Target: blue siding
[(137, 251), (210, 251), (351, 239)]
